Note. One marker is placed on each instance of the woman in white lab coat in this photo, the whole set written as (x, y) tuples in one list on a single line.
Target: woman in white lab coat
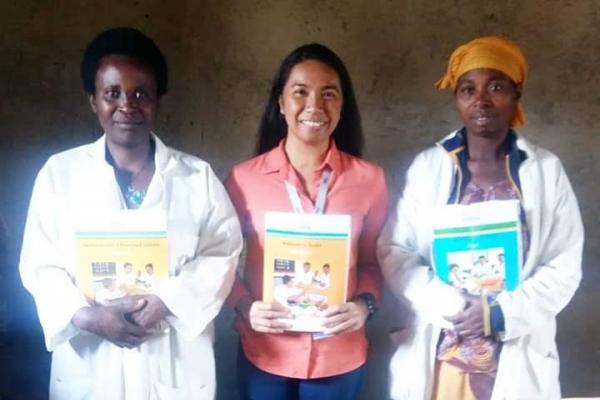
[(501, 345), (122, 350)]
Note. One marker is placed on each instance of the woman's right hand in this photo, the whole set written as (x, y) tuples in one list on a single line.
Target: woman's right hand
[(109, 322), (264, 317)]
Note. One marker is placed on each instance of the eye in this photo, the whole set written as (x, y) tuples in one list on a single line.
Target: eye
[(299, 91), (330, 94), (466, 90), (140, 94), (112, 94), (497, 87)]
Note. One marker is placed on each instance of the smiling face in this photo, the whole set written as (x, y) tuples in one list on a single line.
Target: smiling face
[(486, 100), (311, 102), (125, 101)]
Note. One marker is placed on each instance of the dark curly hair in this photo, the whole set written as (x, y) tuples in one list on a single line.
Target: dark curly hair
[(128, 42), (348, 132)]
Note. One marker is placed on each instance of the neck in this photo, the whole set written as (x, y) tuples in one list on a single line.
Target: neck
[(486, 148), (130, 159), (305, 158)]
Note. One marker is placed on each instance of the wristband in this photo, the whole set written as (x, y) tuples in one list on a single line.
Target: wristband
[(370, 302)]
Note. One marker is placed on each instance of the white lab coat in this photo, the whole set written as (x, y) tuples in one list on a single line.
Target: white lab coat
[(204, 244), (528, 366)]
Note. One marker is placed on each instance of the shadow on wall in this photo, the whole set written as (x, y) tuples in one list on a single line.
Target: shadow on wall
[(24, 363)]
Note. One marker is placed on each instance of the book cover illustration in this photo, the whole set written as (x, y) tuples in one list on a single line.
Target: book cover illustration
[(477, 247), (121, 253), (306, 264)]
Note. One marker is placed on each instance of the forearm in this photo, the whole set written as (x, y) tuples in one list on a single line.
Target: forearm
[(81, 318), (537, 300), (237, 293), (57, 300), (195, 297), (242, 307)]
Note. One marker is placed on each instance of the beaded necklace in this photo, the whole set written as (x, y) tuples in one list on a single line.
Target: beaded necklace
[(132, 196)]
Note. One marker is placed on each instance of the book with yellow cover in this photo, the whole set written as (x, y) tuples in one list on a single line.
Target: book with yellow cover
[(121, 253), (306, 259)]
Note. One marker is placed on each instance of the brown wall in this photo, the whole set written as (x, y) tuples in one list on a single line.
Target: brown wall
[(222, 55)]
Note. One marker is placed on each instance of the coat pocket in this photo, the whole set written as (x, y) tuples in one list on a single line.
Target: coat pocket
[(541, 367), (161, 391)]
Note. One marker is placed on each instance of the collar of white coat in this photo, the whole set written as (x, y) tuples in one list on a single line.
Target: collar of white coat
[(455, 141), (162, 154)]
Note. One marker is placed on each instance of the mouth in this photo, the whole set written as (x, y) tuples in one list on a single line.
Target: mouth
[(483, 119), (128, 124), (312, 123)]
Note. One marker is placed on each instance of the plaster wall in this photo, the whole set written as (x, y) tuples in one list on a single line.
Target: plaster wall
[(222, 55)]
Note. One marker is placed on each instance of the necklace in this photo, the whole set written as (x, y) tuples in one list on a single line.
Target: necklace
[(133, 196)]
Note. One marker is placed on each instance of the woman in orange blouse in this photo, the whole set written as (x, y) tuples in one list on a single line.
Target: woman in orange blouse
[(310, 125)]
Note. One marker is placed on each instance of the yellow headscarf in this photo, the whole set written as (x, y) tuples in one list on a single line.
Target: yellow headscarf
[(491, 52)]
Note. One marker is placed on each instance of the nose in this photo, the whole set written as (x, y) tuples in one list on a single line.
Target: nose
[(482, 97), (127, 102), (315, 101)]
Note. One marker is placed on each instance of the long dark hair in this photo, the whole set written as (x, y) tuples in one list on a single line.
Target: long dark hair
[(348, 132)]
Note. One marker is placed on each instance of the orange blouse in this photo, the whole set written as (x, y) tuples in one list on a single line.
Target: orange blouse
[(357, 188)]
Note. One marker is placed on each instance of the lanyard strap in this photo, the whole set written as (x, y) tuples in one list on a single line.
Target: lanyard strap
[(321, 196)]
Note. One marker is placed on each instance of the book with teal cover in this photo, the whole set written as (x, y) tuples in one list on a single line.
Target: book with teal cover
[(477, 247)]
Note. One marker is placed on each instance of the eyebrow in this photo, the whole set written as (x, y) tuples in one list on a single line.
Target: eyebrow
[(113, 86), (326, 87), (493, 78)]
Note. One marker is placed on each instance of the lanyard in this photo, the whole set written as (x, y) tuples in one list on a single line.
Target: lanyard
[(321, 195)]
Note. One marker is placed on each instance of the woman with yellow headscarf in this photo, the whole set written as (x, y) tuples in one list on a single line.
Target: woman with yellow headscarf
[(494, 343)]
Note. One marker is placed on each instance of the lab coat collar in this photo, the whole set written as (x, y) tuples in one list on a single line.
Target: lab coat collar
[(162, 154)]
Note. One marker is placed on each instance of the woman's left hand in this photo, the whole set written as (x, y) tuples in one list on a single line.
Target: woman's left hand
[(152, 315), (469, 322), (345, 317)]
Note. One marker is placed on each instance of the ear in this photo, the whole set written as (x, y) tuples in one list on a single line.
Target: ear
[(92, 100), (280, 101), (518, 91)]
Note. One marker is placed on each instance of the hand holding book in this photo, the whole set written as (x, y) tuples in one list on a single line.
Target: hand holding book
[(265, 317), (127, 322), (110, 322), (468, 323), (347, 317), (152, 316)]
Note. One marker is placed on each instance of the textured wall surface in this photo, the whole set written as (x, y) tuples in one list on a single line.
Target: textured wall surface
[(222, 55)]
